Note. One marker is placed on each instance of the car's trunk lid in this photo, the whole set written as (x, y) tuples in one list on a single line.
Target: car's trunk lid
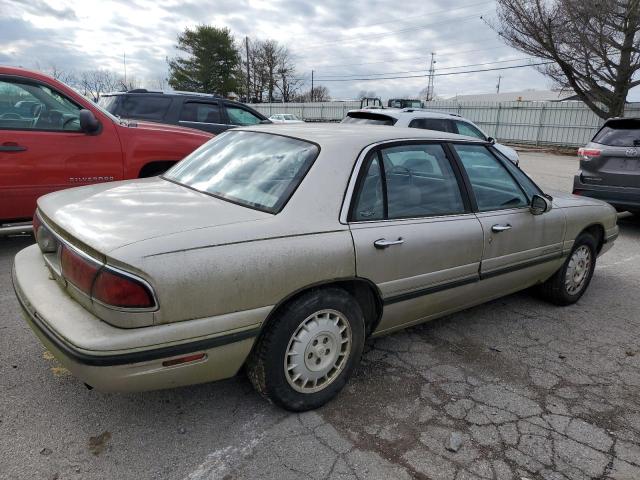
[(108, 216)]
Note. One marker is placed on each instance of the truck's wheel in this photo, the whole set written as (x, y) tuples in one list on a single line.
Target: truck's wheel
[(309, 350), (568, 284)]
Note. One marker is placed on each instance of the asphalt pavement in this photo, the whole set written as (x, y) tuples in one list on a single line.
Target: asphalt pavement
[(513, 389)]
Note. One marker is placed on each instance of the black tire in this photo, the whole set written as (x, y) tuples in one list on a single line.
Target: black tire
[(555, 289), (265, 366)]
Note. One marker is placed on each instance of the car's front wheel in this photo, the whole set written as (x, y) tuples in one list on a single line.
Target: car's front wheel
[(309, 350), (568, 284)]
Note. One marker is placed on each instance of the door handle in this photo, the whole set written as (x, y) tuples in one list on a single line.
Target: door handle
[(12, 147), (384, 243), (500, 228)]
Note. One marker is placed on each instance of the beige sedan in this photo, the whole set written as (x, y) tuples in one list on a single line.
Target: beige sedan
[(282, 248)]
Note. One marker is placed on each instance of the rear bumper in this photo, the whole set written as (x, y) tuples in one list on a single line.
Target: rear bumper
[(622, 198), (137, 368)]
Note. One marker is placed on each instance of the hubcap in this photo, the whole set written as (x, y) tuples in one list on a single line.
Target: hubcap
[(317, 351), (578, 270)]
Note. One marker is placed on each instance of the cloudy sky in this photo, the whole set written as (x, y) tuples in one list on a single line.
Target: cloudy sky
[(337, 39)]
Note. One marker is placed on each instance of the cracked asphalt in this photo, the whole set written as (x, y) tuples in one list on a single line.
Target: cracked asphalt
[(513, 389)]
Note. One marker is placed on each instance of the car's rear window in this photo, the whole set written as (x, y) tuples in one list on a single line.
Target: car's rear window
[(254, 169), (368, 118), (619, 133)]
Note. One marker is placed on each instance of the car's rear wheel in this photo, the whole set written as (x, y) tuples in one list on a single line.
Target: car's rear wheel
[(570, 282), (309, 350)]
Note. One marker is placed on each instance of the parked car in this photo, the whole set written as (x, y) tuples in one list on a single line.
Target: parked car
[(285, 118), (404, 103), (425, 119), (52, 138), (283, 247), (211, 113), (610, 165)]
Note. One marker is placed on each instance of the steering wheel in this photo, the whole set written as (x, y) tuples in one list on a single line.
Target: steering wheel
[(11, 116), (399, 169), (69, 120)]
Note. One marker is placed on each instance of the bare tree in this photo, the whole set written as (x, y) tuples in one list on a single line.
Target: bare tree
[(94, 83), (65, 76), (287, 82), (272, 72), (593, 46), (319, 94)]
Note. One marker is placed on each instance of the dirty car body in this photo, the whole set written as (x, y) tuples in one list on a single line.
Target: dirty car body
[(282, 248)]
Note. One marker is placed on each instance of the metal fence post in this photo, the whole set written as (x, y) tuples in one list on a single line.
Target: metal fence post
[(495, 134), (540, 124)]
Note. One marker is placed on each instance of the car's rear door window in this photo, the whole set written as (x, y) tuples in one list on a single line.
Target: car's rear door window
[(438, 124), (416, 180), (201, 112), (622, 132), (493, 186), (257, 170), (144, 107)]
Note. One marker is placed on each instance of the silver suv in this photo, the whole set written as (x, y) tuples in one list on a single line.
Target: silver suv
[(427, 120), (610, 165)]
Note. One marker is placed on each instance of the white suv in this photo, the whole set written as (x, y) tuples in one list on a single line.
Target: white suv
[(425, 119)]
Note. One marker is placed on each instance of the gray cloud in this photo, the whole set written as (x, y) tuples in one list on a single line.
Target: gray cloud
[(335, 38)]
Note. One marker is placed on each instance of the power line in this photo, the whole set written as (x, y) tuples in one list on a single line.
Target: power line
[(422, 57), (435, 75), (439, 68)]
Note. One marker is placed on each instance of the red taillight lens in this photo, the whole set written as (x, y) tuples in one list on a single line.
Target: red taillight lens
[(121, 291), (78, 270), (589, 153)]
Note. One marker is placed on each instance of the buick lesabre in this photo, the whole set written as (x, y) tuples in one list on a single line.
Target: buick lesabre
[(280, 249)]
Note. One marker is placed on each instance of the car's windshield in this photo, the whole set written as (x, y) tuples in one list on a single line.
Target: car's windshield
[(369, 118), (257, 170)]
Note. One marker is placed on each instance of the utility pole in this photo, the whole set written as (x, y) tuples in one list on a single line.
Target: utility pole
[(498, 85), (124, 62), (432, 71), (246, 44), (312, 95)]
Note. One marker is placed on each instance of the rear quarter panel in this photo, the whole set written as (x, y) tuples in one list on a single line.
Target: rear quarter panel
[(233, 276)]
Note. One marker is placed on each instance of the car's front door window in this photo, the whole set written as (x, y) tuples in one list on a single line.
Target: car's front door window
[(31, 106), (240, 116), (494, 188)]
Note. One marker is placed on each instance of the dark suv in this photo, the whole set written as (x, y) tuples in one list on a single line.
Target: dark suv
[(211, 113), (610, 165)]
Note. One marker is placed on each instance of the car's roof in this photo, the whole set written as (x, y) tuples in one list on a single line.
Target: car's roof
[(335, 134), (407, 112)]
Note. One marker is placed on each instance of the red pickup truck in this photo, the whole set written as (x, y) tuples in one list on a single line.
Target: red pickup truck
[(52, 138)]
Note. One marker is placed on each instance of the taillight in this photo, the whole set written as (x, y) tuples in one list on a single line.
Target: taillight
[(588, 153), (78, 270), (104, 284), (119, 290)]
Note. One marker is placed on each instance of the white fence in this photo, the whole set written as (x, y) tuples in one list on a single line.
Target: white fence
[(569, 124)]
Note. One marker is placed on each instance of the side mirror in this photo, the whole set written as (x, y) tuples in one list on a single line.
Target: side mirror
[(491, 140), (539, 205), (88, 121)]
